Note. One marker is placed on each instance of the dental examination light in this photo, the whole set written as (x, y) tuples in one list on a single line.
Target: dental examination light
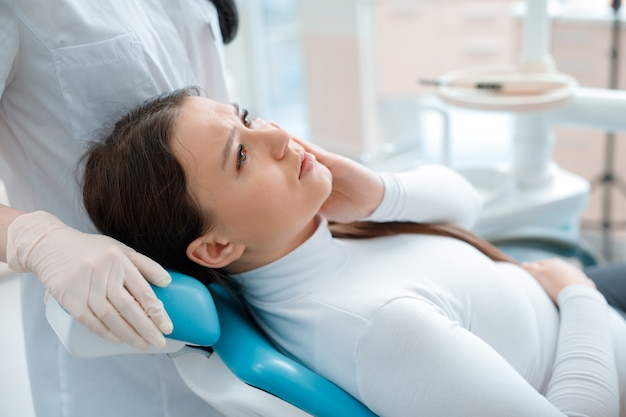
[(539, 97), (527, 89)]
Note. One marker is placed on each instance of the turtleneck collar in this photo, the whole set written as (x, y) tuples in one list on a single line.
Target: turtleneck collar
[(319, 258)]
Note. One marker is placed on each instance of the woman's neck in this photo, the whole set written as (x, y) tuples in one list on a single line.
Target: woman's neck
[(253, 258)]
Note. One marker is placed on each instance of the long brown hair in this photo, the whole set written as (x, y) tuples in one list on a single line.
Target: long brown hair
[(134, 190), (362, 230)]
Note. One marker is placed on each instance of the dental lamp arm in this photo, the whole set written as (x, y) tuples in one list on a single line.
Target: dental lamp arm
[(592, 108), (536, 55)]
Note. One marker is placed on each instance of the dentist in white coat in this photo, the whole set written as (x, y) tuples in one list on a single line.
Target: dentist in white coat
[(68, 69)]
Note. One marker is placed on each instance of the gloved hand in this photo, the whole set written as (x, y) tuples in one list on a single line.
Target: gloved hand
[(101, 282)]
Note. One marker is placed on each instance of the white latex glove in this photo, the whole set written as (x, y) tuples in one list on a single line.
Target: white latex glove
[(101, 282)]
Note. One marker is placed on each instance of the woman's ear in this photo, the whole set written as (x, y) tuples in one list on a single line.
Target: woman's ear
[(212, 253)]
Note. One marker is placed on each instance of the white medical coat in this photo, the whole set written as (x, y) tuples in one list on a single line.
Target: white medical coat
[(68, 69)]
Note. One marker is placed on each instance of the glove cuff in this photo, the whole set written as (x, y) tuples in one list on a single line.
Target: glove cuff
[(24, 234)]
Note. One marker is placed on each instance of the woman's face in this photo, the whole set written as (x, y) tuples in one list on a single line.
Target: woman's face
[(261, 188)]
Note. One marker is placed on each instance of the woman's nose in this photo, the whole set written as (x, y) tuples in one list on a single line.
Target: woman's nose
[(276, 139)]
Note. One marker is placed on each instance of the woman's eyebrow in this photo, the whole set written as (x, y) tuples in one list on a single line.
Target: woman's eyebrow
[(229, 143)]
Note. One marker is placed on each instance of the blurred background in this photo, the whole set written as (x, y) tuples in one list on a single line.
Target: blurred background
[(345, 74)]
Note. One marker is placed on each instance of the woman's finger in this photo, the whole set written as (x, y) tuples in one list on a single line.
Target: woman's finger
[(320, 154)]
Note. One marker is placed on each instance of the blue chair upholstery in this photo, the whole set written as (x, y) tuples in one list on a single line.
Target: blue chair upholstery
[(533, 246), (199, 316), (192, 310)]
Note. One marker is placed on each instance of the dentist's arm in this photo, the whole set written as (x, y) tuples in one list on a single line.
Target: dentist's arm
[(7, 216), (101, 282)]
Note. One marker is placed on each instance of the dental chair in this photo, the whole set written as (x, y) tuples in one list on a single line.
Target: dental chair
[(225, 359), (222, 356), (531, 246)]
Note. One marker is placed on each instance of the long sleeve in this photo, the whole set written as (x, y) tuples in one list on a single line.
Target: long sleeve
[(428, 194), (584, 381), (415, 361)]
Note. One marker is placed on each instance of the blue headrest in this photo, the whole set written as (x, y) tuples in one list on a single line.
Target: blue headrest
[(191, 309)]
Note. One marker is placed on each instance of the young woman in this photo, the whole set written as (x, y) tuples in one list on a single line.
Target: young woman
[(432, 323)]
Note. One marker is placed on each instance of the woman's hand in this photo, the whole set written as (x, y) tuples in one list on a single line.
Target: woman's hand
[(356, 189), (556, 274)]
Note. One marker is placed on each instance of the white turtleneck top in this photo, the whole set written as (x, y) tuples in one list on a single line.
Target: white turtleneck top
[(428, 326)]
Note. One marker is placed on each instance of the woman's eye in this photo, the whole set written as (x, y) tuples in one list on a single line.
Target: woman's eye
[(244, 118), (242, 155)]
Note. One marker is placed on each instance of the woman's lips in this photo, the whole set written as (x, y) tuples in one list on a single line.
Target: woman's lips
[(306, 164)]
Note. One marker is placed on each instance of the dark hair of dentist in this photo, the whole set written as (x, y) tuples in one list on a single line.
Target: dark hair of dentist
[(393, 300)]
